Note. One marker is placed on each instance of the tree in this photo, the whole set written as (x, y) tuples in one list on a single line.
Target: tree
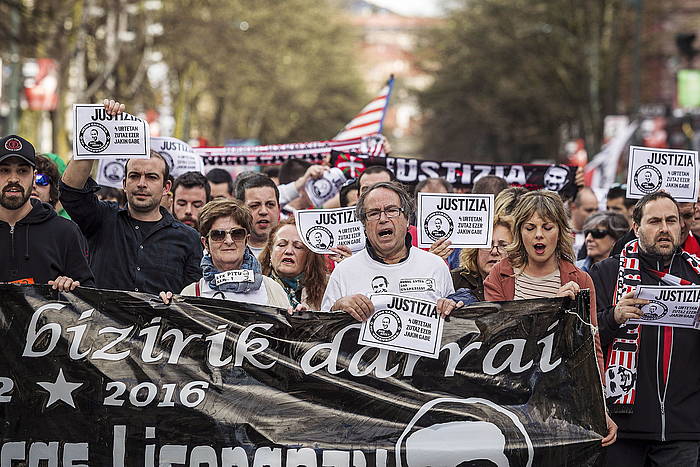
[(278, 72), (512, 75)]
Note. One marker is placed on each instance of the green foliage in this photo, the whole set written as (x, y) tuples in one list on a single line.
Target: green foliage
[(276, 71), (512, 75)]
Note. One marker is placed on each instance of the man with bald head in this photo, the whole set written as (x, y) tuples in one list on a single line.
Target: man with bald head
[(581, 208)]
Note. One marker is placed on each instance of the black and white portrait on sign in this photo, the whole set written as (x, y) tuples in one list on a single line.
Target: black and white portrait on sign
[(380, 284), (556, 178)]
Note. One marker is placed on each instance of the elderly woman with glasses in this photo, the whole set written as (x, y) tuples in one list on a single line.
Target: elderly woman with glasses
[(601, 231), (476, 263), (230, 270)]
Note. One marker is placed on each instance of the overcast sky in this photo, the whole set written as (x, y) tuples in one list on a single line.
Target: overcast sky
[(412, 7)]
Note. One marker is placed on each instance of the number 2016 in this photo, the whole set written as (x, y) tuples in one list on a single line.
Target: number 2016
[(191, 395)]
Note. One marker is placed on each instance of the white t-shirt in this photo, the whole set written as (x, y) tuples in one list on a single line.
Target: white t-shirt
[(256, 251), (579, 240), (423, 275)]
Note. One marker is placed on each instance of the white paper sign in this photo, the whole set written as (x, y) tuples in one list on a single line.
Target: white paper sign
[(178, 154), (672, 170), (97, 135), (322, 189), (236, 275), (403, 324), (322, 229), (669, 306), (466, 220)]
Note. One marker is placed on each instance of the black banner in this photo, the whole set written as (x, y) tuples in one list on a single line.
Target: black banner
[(559, 178), (105, 378)]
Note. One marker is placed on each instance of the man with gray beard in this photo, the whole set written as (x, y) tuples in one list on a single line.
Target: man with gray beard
[(652, 383), (36, 245)]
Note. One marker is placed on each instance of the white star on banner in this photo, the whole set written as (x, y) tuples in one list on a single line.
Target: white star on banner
[(61, 390)]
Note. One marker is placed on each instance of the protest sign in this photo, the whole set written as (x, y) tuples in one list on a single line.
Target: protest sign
[(669, 306), (326, 187), (108, 378), (465, 220), (403, 324), (98, 135), (674, 171), (177, 154), (410, 171), (323, 229)]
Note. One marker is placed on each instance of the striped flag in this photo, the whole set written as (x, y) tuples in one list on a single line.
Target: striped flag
[(369, 120)]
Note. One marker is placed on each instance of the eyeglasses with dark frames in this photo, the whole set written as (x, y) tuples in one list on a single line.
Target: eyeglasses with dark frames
[(237, 235)]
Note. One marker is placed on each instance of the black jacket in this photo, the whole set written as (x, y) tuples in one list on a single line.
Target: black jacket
[(122, 256), (660, 347), (41, 247)]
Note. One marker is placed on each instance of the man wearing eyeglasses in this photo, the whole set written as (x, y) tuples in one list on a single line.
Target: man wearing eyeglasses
[(36, 245), (141, 247), (385, 209)]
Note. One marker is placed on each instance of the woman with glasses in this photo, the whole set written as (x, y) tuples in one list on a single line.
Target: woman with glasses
[(302, 273), (540, 263), (601, 231), (476, 263), (230, 270)]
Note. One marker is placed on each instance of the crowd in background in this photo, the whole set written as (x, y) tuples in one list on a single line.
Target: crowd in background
[(236, 239)]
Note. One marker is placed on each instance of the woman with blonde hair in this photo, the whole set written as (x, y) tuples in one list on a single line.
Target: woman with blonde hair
[(540, 263), (302, 273), (476, 263)]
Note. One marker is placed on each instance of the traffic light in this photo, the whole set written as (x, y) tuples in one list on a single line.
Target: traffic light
[(684, 42)]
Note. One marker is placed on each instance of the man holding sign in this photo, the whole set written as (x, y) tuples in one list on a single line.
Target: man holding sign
[(651, 376), (384, 210), (140, 247)]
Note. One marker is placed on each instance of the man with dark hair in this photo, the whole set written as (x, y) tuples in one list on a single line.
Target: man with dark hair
[(140, 247), (46, 181), (292, 170), (652, 382), (114, 195), (616, 200), (489, 184), (272, 171), (384, 209), (349, 194), (581, 208), (191, 192), (36, 245), (220, 184), (374, 174), (260, 195)]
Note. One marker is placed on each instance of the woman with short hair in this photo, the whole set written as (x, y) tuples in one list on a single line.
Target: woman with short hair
[(230, 270), (602, 230), (302, 273)]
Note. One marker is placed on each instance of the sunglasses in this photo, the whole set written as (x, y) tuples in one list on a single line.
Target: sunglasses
[(597, 233), (42, 179), (237, 235)]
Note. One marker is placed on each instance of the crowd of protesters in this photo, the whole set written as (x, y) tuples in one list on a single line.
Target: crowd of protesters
[(236, 239)]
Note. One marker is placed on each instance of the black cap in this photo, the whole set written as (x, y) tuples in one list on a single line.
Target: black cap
[(16, 146)]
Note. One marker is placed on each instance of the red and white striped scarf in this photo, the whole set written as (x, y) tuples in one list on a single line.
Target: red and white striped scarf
[(623, 351)]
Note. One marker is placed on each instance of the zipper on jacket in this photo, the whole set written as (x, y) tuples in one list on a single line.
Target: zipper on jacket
[(12, 242), (659, 344)]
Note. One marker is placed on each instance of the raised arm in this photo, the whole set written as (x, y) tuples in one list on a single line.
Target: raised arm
[(78, 171)]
